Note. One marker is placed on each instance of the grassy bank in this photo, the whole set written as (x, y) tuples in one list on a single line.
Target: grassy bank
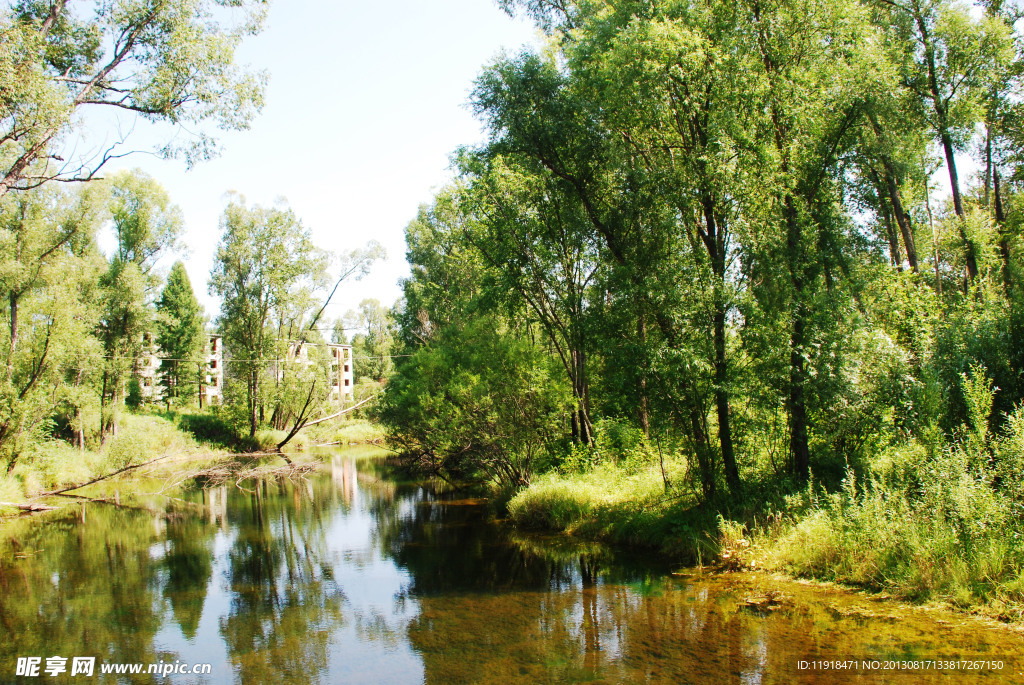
[(623, 502), (185, 436), (54, 464), (351, 432), (941, 523)]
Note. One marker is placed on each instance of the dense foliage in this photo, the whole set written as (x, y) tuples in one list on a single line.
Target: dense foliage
[(743, 234)]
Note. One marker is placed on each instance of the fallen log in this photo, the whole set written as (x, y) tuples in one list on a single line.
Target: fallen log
[(130, 467), (28, 506)]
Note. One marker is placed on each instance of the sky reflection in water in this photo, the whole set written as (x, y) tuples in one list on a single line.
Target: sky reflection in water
[(353, 577)]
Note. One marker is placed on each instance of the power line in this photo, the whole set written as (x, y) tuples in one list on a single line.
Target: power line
[(239, 361)]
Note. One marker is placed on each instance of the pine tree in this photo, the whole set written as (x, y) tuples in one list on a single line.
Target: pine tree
[(180, 336)]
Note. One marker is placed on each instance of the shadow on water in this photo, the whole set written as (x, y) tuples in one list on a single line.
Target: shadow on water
[(358, 575)]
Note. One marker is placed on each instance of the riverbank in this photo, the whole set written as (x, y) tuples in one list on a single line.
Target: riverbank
[(950, 541), (166, 443)]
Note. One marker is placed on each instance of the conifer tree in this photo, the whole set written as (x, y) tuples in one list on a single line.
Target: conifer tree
[(180, 336)]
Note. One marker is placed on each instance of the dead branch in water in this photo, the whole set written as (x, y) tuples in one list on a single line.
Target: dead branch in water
[(28, 506), (238, 471), (130, 467)]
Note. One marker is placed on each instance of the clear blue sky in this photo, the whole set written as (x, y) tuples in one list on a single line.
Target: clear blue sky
[(365, 104)]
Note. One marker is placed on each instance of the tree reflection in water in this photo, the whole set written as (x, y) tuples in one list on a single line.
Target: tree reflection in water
[(285, 604), (73, 589), (189, 565), (436, 590)]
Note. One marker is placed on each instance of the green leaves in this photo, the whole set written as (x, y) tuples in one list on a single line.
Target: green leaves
[(48, 276), (479, 402), (169, 61), (266, 267)]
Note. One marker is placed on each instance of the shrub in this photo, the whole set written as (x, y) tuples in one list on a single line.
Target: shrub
[(209, 427), (129, 447), (133, 400)]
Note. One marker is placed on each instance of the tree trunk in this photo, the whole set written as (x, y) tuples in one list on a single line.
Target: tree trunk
[(895, 258), (705, 459), (14, 337), (901, 215), (1004, 238), (970, 252), (253, 409), (798, 440), (715, 243), (799, 446), (935, 238), (643, 415), (732, 474), (942, 126), (988, 161), (14, 322)]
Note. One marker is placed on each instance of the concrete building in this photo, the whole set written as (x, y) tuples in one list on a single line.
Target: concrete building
[(148, 370), (340, 358), (212, 391), (211, 388), (341, 372)]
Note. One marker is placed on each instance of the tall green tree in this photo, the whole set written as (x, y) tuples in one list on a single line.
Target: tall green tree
[(372, 346), (146, 225), (181, 337), (950, 61), (812, 85), (543, 249), (265, 260), (475, 392), (49, 268)]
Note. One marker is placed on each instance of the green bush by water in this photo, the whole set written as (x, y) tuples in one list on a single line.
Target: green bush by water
[(944, 526)]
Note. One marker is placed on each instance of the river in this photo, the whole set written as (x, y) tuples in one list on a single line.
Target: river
[(355, 576)]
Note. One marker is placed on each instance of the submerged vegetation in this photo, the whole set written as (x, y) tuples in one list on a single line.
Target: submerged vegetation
[(717, 282)]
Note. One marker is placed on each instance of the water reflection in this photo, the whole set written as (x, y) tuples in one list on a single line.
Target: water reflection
[(356, 576), (188, 562), (285, 604)]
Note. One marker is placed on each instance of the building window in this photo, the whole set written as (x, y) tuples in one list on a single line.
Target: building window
[(213, 381), (346, 368), (213, 363), (213, 344), (346, 381)]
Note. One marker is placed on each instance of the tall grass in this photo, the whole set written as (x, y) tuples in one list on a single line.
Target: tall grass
[(922, 527), (357, 431), (623, 501), (53, 464), (939, 522)]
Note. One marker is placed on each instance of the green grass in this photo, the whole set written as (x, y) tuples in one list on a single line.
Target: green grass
[(945, 535), (622, 502), (923, 525), (52, 464), (357, 432)]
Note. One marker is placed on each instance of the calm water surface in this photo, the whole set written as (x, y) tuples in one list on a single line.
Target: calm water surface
[(353, 577)]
